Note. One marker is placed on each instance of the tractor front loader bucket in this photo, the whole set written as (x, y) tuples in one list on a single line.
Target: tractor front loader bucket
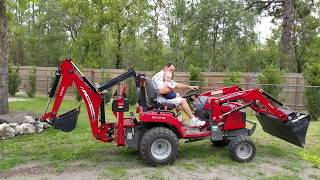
[(67, 121), (293, 131)]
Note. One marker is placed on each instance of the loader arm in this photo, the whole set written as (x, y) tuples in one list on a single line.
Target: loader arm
[(274, 117), (256, 97)]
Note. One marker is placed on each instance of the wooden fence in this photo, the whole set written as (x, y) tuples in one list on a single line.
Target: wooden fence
[(291, 95)]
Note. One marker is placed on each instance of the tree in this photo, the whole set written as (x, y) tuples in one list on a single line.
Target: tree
[(178, 16), (3, 59), (285, 10), (217, 34)]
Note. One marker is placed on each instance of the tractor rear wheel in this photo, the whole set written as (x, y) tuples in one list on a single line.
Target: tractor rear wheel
[(242, 149), (159, 146)]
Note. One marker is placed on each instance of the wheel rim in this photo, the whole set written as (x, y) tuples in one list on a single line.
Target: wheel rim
[(161, 149), (244, 150)]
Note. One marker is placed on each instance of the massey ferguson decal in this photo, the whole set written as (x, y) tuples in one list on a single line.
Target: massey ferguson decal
[(89, 102), (158, 117), (230, 96), (216, 92)]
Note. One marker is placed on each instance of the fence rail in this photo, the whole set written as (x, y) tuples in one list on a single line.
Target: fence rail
[(292, 89)]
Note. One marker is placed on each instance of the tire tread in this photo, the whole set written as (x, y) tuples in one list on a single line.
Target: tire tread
[(147, 137)]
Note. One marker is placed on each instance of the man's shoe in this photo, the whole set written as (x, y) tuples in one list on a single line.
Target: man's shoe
[(197, 123)]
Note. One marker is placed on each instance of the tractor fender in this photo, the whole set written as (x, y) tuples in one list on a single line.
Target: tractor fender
[(164, 119)]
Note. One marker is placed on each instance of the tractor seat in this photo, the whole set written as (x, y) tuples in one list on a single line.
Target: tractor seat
[(152, 93)]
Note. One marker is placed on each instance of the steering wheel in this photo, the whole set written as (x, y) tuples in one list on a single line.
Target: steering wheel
[(190, 93)]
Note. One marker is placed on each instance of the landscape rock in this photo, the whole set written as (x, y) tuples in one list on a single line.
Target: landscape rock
[(6, 131), (38, 126), (28, 119), (16, 128), (3, 121), (27, 128), (46, 125)]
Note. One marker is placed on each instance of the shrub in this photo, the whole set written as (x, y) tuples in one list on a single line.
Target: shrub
[(105, 77), (312, 78), (270, 78), (233, 78), (31, 91), (14, 80), (195, 75), (132, 91), (77, 95)]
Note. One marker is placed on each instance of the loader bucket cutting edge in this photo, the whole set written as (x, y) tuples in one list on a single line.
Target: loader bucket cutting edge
[(67, 121), (293, 131)]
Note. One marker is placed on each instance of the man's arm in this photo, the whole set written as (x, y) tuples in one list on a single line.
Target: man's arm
[(180, 85)]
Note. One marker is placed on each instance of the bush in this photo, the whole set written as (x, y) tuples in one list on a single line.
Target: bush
[(195, 75), (233, 78), (77, 95), (105, 77), (31, 91), (270, 78), (312, 78), (14, 80), (132, 91)]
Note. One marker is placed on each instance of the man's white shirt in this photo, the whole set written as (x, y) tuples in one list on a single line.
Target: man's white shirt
[(158, 79)]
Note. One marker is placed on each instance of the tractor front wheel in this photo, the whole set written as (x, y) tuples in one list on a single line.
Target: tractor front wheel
[(242, 149), (159, 146)]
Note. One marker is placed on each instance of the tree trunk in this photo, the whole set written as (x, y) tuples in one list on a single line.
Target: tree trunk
[(118, 55), (4, 49), (287, 40), (213, 50)]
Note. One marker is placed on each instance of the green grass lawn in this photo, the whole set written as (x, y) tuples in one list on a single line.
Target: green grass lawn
[(60, 150)]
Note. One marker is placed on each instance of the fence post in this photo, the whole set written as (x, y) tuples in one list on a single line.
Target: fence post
[(47, 83)]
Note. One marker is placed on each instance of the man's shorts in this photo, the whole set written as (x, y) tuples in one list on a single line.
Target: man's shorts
[(176, 101)]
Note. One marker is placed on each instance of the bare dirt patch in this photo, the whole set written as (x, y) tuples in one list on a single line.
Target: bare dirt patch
[(253, 170), (24, 171)]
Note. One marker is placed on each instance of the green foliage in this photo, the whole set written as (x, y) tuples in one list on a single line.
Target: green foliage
[(14, 80), (270, 79), (311, 156), (106, 77), (233, 78), (121, 34), (31, 91), (195, 75), (131, 91), (312, 78), (76, 94), (215, 35)]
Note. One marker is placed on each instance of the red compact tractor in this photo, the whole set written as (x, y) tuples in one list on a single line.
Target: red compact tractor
[(154, 128)]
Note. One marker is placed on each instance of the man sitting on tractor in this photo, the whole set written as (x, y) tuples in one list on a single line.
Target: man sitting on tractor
[(179, 102)]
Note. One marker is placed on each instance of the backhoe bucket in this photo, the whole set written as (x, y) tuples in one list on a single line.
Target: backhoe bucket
[(293, 131), (67, 121)]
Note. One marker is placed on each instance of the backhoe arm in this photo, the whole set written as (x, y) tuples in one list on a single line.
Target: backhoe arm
[(66, 76)]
